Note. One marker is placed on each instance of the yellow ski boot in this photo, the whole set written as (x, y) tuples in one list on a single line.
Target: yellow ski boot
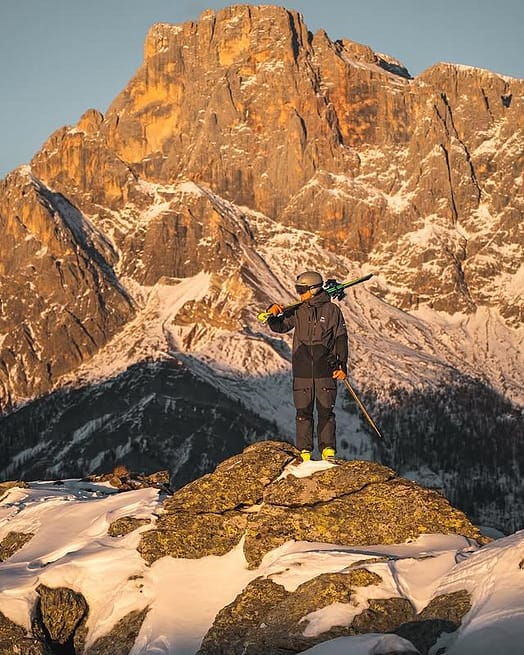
[(328, 454), (306, 455)]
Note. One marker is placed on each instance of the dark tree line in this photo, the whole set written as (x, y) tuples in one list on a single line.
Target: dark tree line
[(470, 436)]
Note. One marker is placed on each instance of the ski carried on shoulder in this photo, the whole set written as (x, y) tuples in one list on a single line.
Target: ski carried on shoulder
[(332, 287)]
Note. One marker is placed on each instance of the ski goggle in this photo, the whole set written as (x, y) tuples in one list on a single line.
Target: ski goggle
[(302, 288)]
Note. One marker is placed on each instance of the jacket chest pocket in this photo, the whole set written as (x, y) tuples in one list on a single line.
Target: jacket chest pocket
[(321, 332)]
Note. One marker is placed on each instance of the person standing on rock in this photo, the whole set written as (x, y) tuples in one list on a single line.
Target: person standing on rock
[(319, 359)]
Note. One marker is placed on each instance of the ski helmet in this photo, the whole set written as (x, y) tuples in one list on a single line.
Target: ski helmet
[(309, 281)]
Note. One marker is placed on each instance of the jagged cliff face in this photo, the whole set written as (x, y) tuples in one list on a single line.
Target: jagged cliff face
[(420, 177), (244, 151), (60, 298)]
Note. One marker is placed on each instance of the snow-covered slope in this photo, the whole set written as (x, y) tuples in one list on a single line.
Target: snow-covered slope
[(408, 349)]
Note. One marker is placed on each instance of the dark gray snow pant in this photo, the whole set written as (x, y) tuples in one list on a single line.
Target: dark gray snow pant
[(305, 392)]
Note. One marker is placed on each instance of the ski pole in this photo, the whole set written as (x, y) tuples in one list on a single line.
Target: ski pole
[(334, 289), (361, 407)]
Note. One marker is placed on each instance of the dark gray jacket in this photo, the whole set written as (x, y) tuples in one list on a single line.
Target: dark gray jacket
[(320, 341)]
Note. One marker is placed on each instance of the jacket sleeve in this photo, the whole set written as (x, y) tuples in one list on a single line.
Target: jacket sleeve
[(341, 342), (281, 323)]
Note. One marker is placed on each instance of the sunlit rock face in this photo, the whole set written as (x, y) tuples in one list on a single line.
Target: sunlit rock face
[(421, 177), (61, 299)]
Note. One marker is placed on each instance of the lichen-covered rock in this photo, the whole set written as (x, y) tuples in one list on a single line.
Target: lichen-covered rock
[(266, 619), (319, 592), (353, 503), (60, 614), (192, 535), (239, 481), (383, 615), (379, 508), (207, 517), (326, 485), (237, 623), (450, 607), (12, 542), (443, 614), (125, 525), (121, 638), (15, 641)]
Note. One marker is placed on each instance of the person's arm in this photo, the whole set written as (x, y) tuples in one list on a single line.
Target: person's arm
[(279, 322)]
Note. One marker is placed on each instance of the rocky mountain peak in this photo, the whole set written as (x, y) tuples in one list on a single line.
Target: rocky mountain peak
[(337, 139)]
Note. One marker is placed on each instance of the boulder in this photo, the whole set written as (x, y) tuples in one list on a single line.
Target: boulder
[(183, 534), (351, 503), (121, 638), (237, 482), (60, 619), (266, 619), (209, 516), (125, 525), (12, 542), (443, 614), (238, 623), (354, 503)]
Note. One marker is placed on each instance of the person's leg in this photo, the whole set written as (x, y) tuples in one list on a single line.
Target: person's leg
[(304, 399), (326, 395)]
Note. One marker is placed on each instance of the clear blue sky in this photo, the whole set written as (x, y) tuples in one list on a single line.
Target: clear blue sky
[(61, 57)]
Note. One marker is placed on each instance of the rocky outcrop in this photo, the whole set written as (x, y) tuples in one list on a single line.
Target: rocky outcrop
[(363, 510), (209, 516), (60, 627), (60, 619), (11, 484), (124, 480), (302, 529), (14, 640), (125, 525), (266, 619), (121, 638), (352, 503), (12, 542), (443, 614)]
